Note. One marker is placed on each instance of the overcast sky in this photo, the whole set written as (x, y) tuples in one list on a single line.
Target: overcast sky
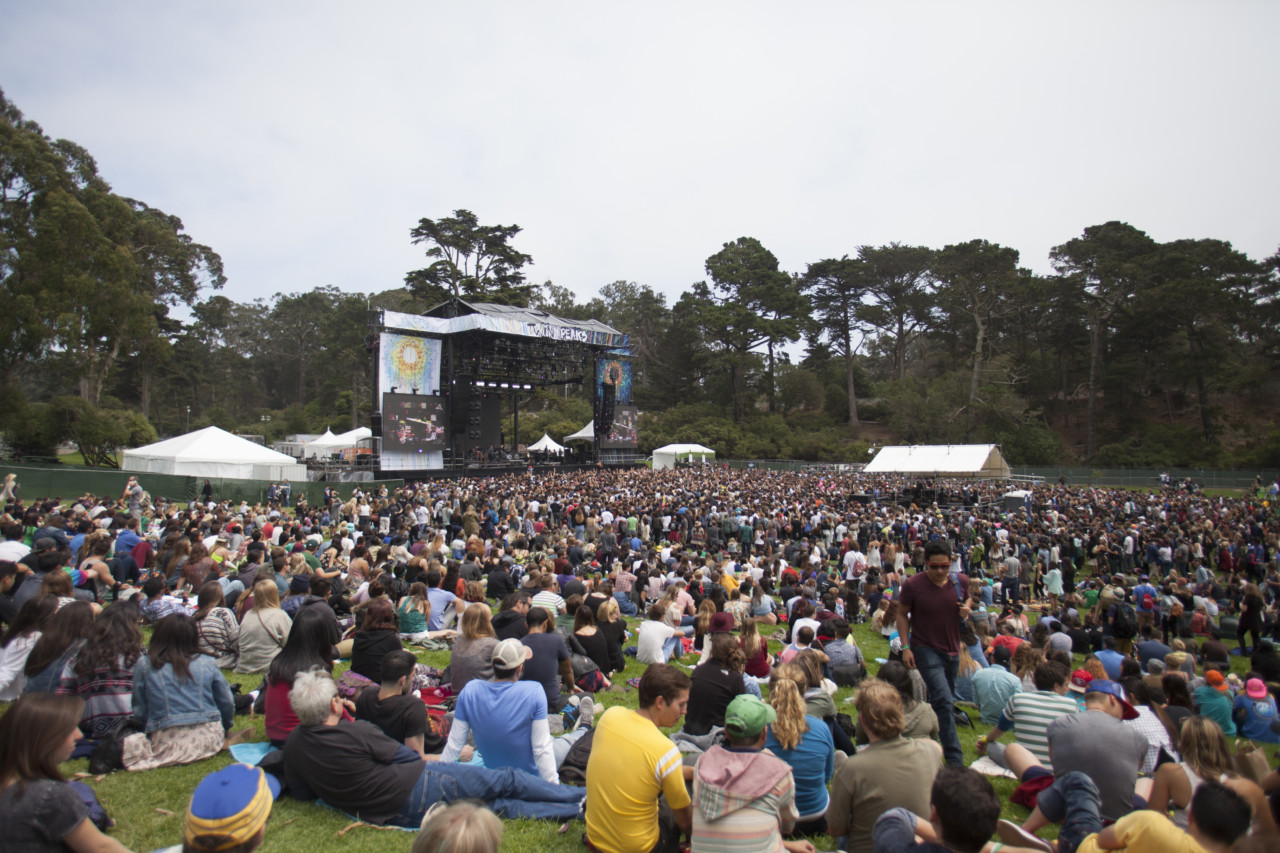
[(302, 141)]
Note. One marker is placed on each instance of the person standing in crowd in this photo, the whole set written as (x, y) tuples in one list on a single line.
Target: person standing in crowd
[(931, 608)]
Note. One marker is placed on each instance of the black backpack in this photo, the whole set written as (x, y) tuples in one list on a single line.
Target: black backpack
[(1125, 624), (573, 770)]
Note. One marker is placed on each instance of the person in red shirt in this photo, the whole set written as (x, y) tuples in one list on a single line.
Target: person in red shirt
[(931, 607)]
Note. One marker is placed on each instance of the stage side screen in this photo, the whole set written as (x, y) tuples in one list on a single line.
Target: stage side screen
[(622, 434), (413, 423), (616, 371)]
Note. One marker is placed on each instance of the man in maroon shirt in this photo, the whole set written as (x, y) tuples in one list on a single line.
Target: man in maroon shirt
[(931, 607)]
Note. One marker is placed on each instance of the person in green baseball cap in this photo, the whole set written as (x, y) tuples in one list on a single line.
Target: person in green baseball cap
[(743, 796)]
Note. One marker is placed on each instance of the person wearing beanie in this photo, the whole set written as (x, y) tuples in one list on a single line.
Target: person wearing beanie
[(1213, 699), (744, 797), (228, 811)]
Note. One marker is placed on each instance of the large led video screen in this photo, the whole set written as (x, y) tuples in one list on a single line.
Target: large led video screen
[(623, 432), (413, 423), (617, 372), (409, 364)]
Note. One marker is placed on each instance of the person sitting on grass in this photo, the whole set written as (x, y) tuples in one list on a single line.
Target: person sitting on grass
[(308, 647), (656, 641), (963, 812), (393, 707), (353, 766), (892, 771), (804, 742), (635, 776), (743, 796), (228, 811), (39, 809), (1219, 817), (508, 719), (182, 698), (459, 828)]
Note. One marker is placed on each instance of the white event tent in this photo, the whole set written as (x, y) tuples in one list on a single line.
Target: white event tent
[(213, 452), (330, 443), (941, 460), (587, 433), (547, 444), (666, 457)]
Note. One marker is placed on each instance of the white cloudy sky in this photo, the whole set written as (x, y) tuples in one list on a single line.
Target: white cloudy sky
[(303, 140)]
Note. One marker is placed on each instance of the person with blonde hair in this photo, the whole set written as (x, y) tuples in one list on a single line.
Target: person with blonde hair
[(473, 651), (263, 630), (756, 648), (892, 772), (804, 742), (1206, 756), (459, 828)]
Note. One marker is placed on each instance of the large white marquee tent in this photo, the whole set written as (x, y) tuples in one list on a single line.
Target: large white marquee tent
[(213, 452), (941, 460)]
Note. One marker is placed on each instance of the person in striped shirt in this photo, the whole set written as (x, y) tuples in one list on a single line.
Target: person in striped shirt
[(1028, 715), (743, 796)]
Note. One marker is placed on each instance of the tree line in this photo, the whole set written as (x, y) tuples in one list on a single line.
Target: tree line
[(1133, 352)]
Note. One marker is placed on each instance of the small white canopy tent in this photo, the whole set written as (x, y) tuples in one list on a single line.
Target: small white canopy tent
[(312, 448), (666, 457), (547, 444), (330, 443), (941, 460), (213, 452), (587, 433)]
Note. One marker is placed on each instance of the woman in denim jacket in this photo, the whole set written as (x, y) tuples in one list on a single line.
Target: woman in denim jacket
[(182, 698)]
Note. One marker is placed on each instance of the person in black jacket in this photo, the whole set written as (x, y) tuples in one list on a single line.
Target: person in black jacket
[(509, 623), (501, 583)]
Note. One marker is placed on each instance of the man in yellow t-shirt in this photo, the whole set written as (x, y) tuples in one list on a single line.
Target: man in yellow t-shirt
[(633, 764)]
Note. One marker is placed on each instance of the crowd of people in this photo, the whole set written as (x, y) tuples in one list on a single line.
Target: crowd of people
[(1097, 626)]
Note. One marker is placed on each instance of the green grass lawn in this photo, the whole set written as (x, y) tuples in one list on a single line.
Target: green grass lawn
[(148, 806)]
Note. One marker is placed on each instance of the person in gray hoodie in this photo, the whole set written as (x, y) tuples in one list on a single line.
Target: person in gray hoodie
[(743, 796)]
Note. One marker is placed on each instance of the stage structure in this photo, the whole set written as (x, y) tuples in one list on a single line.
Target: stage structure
[(442, 378)]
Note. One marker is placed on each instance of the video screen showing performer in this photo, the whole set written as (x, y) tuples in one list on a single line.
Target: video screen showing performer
[(413, 422)]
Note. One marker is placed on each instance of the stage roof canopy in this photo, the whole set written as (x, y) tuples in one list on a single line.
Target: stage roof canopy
[(941, 460), (458, 315)]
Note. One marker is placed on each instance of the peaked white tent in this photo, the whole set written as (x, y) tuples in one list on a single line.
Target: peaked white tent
[(312, 448), (547, 444), (666, 457), (330, 443), (213, 452), (941, 460), (587, 433)]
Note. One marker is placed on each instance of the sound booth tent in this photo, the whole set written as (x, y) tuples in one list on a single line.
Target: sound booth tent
[(666, 457)]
